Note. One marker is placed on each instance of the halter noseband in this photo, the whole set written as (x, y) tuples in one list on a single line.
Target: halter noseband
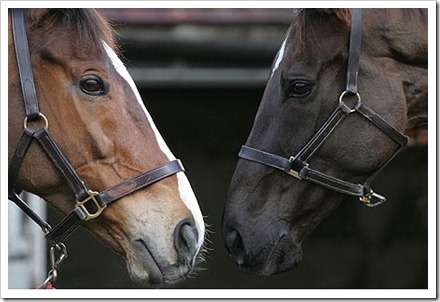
[(298, 166), (90, 204)]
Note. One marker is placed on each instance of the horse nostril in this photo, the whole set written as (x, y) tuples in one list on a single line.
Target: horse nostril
[(185, 240), (234, 244)]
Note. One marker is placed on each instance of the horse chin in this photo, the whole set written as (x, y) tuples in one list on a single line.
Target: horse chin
[(148, 268), (282, 257), (145, 272)]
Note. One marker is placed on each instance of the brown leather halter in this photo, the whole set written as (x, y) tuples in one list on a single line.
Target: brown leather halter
[(298, 166), (90, 204)]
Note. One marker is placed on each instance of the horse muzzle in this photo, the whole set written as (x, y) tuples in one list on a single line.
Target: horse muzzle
[(273, 253), (151, 264)]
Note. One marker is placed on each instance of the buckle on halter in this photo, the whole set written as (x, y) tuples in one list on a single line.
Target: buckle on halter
[(292, 172), (366, 200), (90, 207)]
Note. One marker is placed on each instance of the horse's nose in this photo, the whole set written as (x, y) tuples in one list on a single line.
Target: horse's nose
[(185, 240), (235, 246)]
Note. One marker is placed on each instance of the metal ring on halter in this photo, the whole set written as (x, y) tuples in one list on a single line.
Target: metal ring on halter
[(42, 116), (356, 105), (372, 199)]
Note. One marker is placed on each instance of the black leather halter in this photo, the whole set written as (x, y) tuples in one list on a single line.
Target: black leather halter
[(298, 165), (89, 204)]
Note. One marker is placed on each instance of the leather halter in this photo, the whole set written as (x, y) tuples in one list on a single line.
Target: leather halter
[(89, 204), (298, 166)]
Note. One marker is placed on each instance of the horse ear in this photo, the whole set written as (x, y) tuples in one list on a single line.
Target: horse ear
[(47, 15), (343, 14), (36, 14), (41, 13)]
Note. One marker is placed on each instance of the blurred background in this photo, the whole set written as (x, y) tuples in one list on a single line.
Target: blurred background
[(201, 73)]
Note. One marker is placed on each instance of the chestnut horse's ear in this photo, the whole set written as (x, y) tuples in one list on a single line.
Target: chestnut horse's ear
[(47, 14), (36, 14)]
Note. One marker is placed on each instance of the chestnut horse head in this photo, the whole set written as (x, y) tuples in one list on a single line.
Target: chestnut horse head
[(312, 125), (97, 119)]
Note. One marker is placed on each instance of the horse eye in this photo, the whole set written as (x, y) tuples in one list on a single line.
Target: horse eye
[(300, 89), (92, 85)]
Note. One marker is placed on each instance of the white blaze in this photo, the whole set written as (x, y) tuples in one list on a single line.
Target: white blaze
[(185, 190), (279, 58)]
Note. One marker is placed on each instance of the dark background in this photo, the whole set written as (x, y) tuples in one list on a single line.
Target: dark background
[(208, 70)]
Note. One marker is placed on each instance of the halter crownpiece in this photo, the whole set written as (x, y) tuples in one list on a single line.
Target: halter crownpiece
[(298, 166), (90, 204), (354, 53)]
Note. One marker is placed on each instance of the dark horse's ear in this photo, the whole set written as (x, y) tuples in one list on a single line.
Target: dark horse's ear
[(343, 14)]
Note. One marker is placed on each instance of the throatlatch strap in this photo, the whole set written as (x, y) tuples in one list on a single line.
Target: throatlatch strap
[(29, 212), (17, 159)]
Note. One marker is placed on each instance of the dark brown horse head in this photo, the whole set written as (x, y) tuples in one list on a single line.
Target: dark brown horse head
[(269, 213), (98, 120)]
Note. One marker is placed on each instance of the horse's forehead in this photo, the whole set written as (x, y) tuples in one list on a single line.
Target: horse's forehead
[(66, 46)]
